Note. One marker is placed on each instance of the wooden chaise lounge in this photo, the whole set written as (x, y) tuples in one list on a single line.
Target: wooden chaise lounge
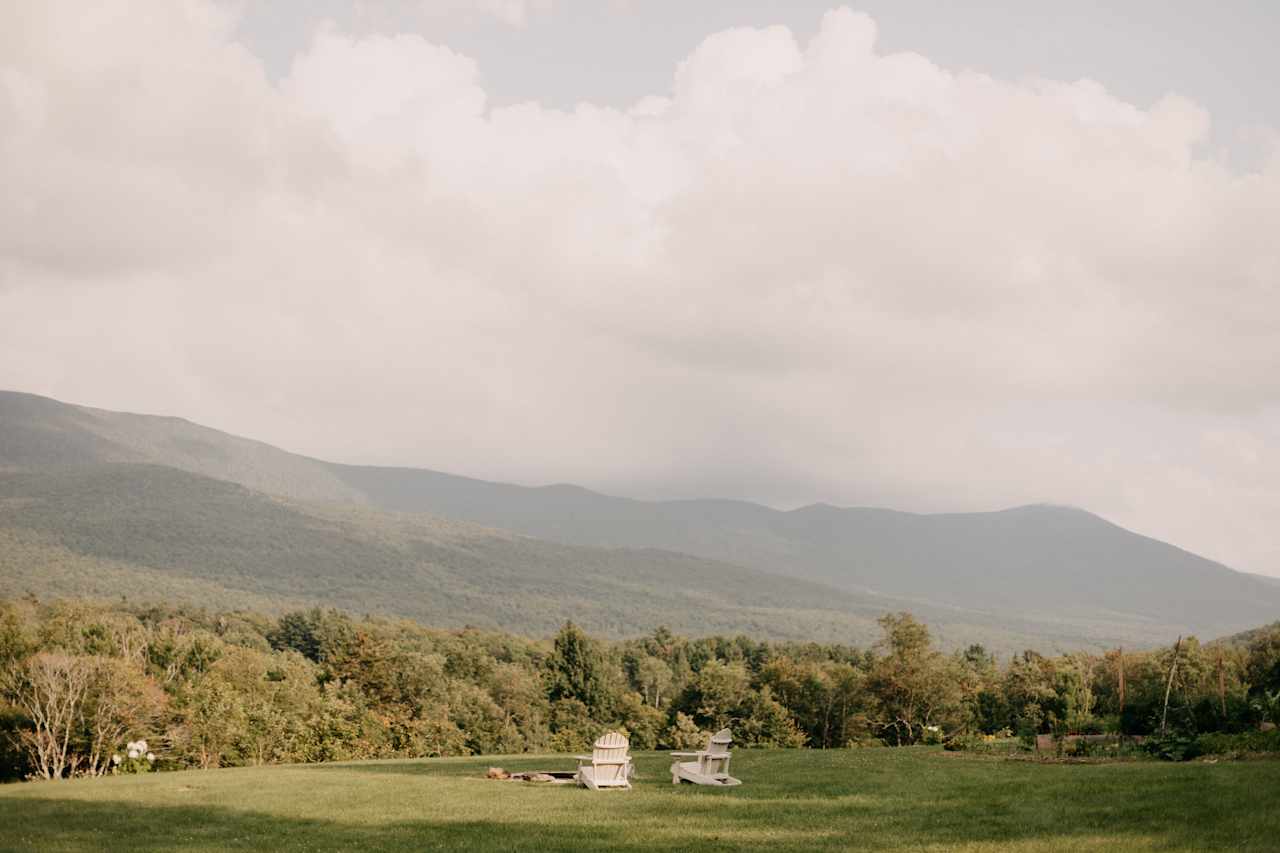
[(709, 766)]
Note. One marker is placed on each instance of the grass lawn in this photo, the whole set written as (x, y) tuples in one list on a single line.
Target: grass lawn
[(885, 799)]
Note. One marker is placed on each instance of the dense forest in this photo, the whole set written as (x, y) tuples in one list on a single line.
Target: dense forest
[(91, 688)]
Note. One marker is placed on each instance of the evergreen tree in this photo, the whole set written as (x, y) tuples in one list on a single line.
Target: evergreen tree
[(577, 671)]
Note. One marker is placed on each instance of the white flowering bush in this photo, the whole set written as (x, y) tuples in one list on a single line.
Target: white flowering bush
[(137, 758), (932, 734)]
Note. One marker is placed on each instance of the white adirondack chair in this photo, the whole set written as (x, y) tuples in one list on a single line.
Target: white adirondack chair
[(709, 766), (608, 765)]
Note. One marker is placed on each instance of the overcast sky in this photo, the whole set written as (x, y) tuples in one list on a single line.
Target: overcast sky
[(921, 255)]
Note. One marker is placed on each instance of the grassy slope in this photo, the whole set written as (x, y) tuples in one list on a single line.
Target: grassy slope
[(790, 801)]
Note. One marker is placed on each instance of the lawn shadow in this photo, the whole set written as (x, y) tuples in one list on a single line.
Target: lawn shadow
[(123, 825)]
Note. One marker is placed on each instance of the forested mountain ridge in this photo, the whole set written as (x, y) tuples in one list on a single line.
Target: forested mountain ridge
[(152, 533), (37, 432), (1038, 561), (1047, 576), (140, 529)]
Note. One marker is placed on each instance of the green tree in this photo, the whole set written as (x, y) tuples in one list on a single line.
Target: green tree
[(519, 693), (323, 636), (684, 734), (123, 704), (1262, 665), (50, 689), (721, 696), (825, 697), (572, 728), (1030, 693), (211, 719), (576, 671), (642, 722), (14, 643), (654, 679), (913, 684)]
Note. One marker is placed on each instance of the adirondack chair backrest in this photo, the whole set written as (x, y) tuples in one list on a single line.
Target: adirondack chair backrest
[(716, 759), (611, 748), (609, 760)]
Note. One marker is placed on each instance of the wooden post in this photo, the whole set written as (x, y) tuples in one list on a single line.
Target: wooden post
[(1168, 686)]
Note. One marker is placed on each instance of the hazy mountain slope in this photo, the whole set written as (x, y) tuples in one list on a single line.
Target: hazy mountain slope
[(37, 432), (1036, 561), (150, 532), (147, 532), (1062, 571), (1246, 638)]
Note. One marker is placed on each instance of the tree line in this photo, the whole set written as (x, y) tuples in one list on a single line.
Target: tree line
[(81, 683)]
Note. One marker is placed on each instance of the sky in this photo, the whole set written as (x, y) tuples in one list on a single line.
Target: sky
[(937, 257)]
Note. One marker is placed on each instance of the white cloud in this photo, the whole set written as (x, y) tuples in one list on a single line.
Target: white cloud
[(852, 275)]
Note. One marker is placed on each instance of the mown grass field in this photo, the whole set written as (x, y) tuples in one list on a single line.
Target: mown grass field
[(881, 799)]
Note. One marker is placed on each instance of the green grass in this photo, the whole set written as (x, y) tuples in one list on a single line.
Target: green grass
[(915, 799)]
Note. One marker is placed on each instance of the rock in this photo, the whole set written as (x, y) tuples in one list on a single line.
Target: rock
[(497, 773), (540, 777)]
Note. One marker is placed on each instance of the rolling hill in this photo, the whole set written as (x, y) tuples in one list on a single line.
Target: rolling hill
[(1041, 562), (40, 433), (150, 533), (220, 515)]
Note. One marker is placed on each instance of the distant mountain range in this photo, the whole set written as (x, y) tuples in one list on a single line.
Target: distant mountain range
[(93, 500)]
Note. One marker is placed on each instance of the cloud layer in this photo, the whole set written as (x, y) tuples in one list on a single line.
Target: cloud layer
[(807, 271), (515, 13)]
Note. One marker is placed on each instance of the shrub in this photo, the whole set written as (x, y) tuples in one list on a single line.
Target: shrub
[(684, 734), (965, 743), (137, 758), (572, 727), (1221, 743), (1091, 726), (1172, 747), (1111, 724), (980, 743)]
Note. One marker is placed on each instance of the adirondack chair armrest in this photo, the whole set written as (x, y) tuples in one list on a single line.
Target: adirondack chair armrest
[(585, 757), (686, 754), (716, 754)]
